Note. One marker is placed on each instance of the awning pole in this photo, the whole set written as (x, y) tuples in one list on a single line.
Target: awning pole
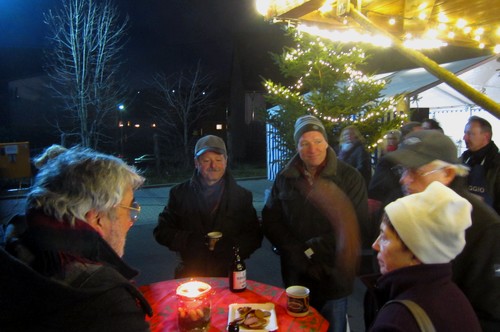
[(432, 67)]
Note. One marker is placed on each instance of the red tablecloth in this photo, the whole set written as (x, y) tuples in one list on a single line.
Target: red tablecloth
[(162, 298)]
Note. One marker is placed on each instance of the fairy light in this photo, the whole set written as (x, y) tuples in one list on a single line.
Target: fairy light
[(447, 27), (461, 23)]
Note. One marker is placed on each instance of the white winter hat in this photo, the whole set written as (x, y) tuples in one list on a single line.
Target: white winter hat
[(432, 223)]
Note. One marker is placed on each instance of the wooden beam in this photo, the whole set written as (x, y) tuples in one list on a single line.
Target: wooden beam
[(432, 67)]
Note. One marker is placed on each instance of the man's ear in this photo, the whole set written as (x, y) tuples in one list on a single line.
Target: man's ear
[(93, 218), (450, 174)]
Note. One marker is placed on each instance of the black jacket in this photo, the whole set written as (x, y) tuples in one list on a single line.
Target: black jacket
[(428, 285), (72, 281), (293, 224), (360, 159), (489, 156), (183, 224), (476, 270)]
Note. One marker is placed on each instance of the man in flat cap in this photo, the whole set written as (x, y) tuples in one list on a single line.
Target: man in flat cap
[(311, 217), (211, 201), (427, 156)]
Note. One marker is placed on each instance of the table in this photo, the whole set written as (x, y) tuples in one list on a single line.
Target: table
[(163, 300)]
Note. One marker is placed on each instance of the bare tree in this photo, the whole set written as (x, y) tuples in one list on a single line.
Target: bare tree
[(184, 98), (83, 64)]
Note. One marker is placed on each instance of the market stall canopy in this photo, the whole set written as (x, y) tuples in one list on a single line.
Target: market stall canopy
[(482, 73), (436, 23), (406, 25)]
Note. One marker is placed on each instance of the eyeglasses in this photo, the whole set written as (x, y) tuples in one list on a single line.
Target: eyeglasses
[(403, 171), (135, 209)]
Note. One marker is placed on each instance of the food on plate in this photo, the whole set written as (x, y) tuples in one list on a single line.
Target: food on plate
[(252, 319)]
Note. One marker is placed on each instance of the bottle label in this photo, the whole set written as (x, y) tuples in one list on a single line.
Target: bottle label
[(240, 279)]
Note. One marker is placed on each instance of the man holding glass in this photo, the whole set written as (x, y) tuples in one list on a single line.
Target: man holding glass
[(210, 203)]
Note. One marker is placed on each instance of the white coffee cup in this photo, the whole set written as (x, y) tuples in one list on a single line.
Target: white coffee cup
[(297, 304)]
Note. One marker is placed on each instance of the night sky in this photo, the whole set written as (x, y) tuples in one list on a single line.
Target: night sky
[(163, 35)]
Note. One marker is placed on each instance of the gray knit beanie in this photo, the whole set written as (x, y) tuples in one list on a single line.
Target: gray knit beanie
[(308, 123)]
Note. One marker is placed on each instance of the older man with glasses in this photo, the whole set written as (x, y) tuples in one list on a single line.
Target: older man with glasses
[(427, 156), (63, 271)]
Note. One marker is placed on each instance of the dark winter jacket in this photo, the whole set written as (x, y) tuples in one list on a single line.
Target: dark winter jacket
[(476, 270), (293, 224), (384, 185), (360, 159), (183, 224), (489, 157), (428, 285), (67, 279)]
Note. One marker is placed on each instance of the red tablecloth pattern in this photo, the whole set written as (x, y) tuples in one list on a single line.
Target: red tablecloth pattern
[(162, 298)]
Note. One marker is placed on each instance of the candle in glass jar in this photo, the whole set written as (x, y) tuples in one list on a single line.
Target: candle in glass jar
[(194, 307)]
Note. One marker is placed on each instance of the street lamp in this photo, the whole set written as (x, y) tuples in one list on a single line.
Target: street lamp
[(121, 109)]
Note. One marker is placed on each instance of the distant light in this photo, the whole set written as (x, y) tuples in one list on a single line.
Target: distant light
[(137, 125), (392, 21), (120, 124), (121, 107), (218, 126), (153, 125)]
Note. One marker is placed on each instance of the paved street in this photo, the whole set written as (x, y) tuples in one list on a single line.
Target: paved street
[(157, 263)]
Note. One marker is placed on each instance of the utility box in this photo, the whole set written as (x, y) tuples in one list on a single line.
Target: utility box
[(15, 161)]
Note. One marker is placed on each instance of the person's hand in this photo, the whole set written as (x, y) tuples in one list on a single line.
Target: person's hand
[(197, 242), (224, 246), (298, 261), (316, 272)]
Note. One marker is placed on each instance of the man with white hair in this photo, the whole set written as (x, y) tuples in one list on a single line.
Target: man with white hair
[(64, 271), (428, 156)]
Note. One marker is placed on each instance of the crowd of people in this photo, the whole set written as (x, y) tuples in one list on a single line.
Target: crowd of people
[(428, 218)]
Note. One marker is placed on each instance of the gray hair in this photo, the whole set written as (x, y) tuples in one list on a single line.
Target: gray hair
[(460, 170), (80, 180)]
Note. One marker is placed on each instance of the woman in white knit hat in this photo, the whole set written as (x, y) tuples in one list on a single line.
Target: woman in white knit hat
[(419, 235)]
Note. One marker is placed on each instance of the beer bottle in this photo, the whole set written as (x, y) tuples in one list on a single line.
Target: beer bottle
[(237, 273)]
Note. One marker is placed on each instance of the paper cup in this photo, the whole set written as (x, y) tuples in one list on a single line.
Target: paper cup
[(297, 304), (212, 239)]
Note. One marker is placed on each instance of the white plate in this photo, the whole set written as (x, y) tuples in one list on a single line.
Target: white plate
[(272, 325)]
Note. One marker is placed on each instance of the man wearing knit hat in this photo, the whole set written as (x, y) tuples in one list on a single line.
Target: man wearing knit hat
[(311, 217), (420, 235), (427, 156), (210, 202)]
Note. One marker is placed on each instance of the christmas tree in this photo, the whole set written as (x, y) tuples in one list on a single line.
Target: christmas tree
[(328, 84)]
